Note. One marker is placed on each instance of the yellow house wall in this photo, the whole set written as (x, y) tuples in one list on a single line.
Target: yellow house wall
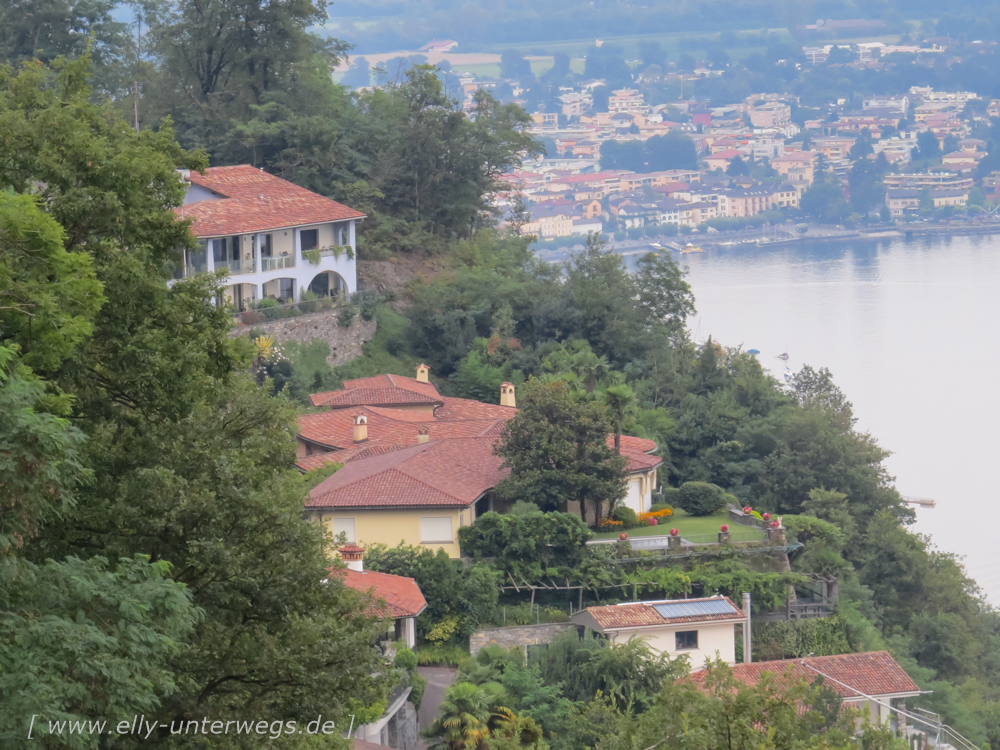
[(395, 526)]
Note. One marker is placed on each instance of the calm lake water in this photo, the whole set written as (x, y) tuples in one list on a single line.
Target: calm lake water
[(909, 330)]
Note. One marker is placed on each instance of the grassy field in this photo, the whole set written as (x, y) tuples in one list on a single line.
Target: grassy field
[(694, 528)]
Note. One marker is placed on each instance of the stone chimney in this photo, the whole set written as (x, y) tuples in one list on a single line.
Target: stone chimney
[(507, 395), (424, 435), (354, 556), (422, 372), (360, 428)]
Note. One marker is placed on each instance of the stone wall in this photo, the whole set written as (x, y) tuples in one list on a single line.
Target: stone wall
[(345, 343), (518, 635)]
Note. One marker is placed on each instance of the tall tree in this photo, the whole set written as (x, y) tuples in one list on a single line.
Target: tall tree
[(556, 450), (186, 458)]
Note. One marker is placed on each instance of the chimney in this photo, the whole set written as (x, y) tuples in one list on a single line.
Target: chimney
[(422, 372), (354, 556), (746, 630), (424, 435), (360, 428), (507, 395)]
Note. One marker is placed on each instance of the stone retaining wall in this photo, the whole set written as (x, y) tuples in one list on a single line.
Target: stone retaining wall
[(518, 635), (345, 343)]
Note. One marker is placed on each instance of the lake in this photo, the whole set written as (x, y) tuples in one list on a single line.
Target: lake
[(908, 329)]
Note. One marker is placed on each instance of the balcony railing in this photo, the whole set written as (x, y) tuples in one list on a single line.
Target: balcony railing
[(235, 267), (277, 262)]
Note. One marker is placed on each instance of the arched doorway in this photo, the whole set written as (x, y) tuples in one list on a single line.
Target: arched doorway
[(328, 284), (282, 290)]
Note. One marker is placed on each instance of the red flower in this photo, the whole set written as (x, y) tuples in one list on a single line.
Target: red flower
[(775, 524), (724, 527), (747, 509), (674, 532), (623, 536), (766, 516)]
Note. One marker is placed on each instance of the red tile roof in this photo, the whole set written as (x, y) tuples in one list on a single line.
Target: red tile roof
[(242, 210), (643, 614), (440, 473), (399, 596), (872, 673), (335, 429), (364, 450), (380, 390)]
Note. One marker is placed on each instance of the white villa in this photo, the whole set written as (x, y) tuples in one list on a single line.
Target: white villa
[(275, 239)]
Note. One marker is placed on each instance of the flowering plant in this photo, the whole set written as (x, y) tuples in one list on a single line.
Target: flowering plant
[(747, 509), (658, 514), (775, 524), (608, 523), (766, 516), (724, 527)]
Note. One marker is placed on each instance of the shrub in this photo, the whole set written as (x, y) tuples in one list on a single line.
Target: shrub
[(657, 507), (419, 684), (346, 316), (405, 659), (368, 307), (441, 655), (701, 498), (665, 496), (310, 302), (627, 516)]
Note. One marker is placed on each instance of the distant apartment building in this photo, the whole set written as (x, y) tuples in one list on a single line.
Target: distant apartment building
[(928, 94), (902, 201), (899, 104), (575, 104), (744, 202), (625, 100), (933, 180), (546, 119), (771, 115), (833, 147), (796, 166), (766, 148)]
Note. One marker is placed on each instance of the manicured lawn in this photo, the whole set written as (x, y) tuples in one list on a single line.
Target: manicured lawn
[(693, 528)]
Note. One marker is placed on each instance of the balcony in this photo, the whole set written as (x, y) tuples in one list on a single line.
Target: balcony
[(235, 267), (277, 262)]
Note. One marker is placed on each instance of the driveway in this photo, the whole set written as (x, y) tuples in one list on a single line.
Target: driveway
[(438, 680)]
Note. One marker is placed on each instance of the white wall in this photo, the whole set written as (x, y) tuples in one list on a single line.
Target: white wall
[(712, 637)]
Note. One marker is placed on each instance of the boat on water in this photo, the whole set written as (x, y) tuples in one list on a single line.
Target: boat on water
[(691, 249), (783, 355)]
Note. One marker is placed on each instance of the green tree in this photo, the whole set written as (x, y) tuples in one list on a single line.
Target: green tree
[(619, 399), (463, 719), (556, 450), (186, 460)]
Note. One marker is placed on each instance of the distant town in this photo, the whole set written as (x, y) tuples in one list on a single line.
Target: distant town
[(616, 162)]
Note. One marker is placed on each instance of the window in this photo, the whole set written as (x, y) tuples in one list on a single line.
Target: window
[(286, 289), (344, 526), (687, 639), (436, 530), (265, 245), (309, 239)]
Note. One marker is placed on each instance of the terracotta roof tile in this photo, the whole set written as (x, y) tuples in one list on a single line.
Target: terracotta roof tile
[(241, 210), (871, 673), (308, 463), (379, 390), (399, 596), (643, 614), (438, 473), (335, 429)]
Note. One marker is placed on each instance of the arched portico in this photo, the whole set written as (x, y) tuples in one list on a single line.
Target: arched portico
[(328, 284), (283, 289)]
